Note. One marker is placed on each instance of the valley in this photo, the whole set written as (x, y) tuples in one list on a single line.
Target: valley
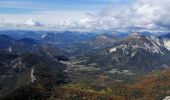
[(84, 50), (85, 66)]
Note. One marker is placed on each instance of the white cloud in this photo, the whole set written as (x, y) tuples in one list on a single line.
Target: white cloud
[(31, 22), (85, 20), (140, 15)]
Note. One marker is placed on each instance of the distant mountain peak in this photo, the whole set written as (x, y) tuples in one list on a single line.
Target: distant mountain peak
[(137, 50), (135, 34), (138, 41)]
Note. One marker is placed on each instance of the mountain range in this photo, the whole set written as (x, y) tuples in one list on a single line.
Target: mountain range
[(39, 61), (136, 51)]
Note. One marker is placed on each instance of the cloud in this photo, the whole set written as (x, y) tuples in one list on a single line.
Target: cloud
[(151, 15), (6, 23), (85, 20), (141, 15), (31, 22)]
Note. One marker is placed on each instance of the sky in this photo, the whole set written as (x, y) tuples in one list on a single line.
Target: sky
[(150, 15)]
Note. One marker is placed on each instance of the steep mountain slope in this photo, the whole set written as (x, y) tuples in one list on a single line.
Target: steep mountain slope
[(25, 63), (166, 39), (135, 52), (20, 70)]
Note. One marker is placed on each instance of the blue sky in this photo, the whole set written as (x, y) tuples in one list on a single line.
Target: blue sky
[(85, 14), (28, 6), (53, 11)]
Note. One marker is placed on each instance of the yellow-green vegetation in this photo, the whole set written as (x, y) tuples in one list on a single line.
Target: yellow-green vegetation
[(80, 92), (155, 86)]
